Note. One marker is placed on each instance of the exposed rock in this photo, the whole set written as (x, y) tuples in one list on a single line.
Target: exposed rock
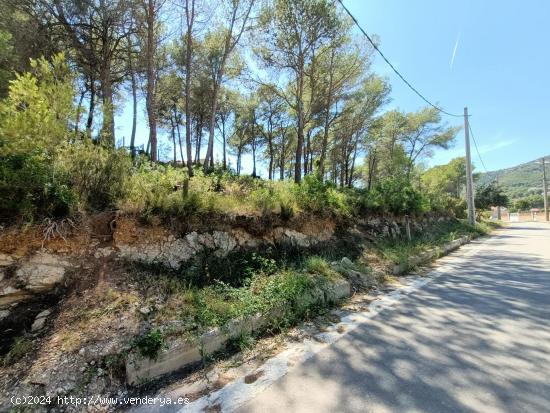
[(206, 240), (5, 260), (10, 295), (224, 243), (297, 238), (38, 324), (103, 252), (349, 270), (4, 314), (42, 272), (44, 313), (145, 310), (244, 239)]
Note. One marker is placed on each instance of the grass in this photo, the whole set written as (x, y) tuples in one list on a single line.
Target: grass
[(19, 349), (398, 251), (269, 288), (265, 284)]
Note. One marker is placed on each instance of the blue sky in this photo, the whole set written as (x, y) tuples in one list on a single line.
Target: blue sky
[(500, 70)]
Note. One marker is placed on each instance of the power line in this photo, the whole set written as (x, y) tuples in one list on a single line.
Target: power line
[(477, 149), (392, 67)]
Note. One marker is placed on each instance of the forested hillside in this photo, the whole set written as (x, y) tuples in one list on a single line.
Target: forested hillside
[(519, 181)]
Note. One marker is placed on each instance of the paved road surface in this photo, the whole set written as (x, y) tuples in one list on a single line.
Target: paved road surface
[(475, 340)]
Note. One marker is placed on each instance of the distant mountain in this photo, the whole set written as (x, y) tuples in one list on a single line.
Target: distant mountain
[(518, 181)]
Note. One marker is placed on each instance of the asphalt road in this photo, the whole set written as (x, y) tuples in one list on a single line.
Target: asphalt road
[(476, 339)]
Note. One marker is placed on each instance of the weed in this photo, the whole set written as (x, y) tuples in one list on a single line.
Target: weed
[(241, 342), (150, 344), (19, 349)]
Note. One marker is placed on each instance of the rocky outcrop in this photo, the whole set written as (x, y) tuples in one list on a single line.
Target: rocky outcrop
[(42, 272), (173, 252), (39, 274), (360, 278)]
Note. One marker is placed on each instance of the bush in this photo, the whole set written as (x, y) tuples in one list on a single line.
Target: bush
[(30, 188), (150, 344), (398, 196), (97, 174)]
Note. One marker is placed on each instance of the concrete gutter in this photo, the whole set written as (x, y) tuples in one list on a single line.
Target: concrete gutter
[(181, 353), (430, 255)]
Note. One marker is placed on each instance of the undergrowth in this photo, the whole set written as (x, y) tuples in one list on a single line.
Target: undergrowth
[(399, 250)]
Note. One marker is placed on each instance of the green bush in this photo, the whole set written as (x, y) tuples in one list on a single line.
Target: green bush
[(150, 344), (30, 189), (397, 195), (99, 175)]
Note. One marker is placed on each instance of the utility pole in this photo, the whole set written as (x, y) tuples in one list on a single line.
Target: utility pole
[(545, 190), (469, 179), (499, 215)]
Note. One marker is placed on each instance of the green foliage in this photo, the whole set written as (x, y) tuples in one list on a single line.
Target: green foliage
[(397, 195), (517, 182), (99, 175), (150, 344), (36, 115), (30, 188), (320, 266), (528, 202), (320, 197), (34, 122), (400, 250), (19, 349), (490, 195)]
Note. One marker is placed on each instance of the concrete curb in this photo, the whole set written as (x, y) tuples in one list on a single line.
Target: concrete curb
[(182, 353), (429, 255)]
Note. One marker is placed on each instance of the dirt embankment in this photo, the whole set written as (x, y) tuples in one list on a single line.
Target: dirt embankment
[(70, 305)]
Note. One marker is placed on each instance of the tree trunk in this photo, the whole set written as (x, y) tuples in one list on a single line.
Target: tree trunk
[(326, 127), (271, 156), (352, 169), (282, 159), (151, 77), (91, 109), (173, 129), (209, 158), (134, 114), (239, 154), (199, 141), (372, 166), (108, 128), (300, 125), (190, 18), (134, 99), (224, 146), (178, 119), (78, 112)]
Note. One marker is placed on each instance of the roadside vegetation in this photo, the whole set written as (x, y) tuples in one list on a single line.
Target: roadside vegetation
[(260, 111)]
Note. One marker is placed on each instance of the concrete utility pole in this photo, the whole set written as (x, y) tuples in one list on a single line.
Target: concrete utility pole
[(545, 190), (499, 215), (469, 178)]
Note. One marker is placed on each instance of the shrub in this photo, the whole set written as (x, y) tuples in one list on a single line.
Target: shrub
[(35, 116), (20, 347), (150, 344), (30, 188), (150, 191), (398, 196), (99, 175)]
